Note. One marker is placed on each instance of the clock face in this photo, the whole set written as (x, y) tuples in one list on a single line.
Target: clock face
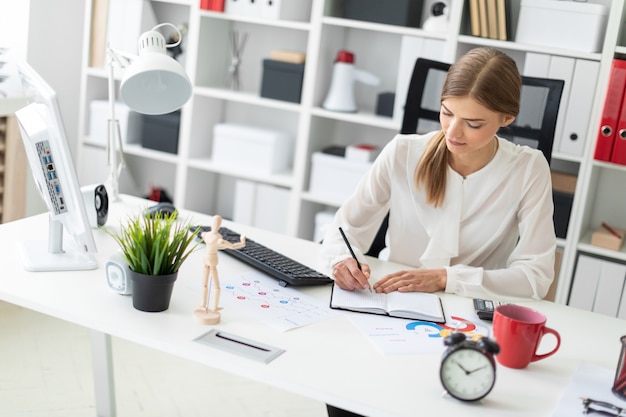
[(467, 374)]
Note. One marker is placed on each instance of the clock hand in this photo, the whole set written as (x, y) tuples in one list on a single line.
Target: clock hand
[(474, 370), (461, 366)]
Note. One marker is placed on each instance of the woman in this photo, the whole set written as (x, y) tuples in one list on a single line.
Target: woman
[(470, 212)]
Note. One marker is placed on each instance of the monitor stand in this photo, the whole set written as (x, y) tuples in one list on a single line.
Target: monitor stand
[(49, 255)]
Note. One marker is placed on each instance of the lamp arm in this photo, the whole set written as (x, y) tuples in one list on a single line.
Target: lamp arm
[(121, 58), (115, 149)]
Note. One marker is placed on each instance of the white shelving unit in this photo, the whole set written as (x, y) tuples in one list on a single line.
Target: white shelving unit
[(199, 183)]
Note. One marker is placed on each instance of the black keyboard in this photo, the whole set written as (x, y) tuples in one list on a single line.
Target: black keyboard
[(286, 270)]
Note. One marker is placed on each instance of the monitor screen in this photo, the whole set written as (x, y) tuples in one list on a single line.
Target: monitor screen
[(50, 161)]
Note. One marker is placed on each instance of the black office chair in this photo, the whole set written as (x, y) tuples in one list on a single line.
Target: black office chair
[(534, 126)]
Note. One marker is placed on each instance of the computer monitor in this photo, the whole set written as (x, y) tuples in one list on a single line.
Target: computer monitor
[(51, 164)]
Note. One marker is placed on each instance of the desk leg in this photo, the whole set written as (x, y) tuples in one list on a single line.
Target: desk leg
[(104, 385)]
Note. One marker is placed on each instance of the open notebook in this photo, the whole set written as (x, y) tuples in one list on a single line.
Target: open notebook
[(408, 305)]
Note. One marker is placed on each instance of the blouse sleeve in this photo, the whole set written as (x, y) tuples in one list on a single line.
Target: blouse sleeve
[(361, 215), (529, 269)]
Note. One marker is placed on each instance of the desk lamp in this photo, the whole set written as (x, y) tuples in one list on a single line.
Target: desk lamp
[(153, 83)]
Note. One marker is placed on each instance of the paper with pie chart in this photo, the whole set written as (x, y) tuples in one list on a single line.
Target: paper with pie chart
[(407, 337)]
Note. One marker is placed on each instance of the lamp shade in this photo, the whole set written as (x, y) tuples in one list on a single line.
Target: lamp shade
[(154, 83)]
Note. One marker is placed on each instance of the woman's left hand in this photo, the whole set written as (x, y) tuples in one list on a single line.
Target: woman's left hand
[(429, 280)]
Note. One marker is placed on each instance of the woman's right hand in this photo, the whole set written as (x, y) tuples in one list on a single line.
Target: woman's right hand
[(349, 277)]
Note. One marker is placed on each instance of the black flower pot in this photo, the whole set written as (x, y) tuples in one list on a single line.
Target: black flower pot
[(152, 293)]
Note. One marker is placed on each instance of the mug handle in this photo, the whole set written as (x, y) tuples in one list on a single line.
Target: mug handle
[(553, 351)]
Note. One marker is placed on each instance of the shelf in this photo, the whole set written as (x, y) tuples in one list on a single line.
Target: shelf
[(138, 150), (361, 117), (276, 23), (284, 179), (566, 157), (514, 46), (245, 97), (314, 198), (380, 27), (609, 165), (586, 246)]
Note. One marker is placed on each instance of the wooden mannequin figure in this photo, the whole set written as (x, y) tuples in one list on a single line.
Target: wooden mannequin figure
[(214, 243)]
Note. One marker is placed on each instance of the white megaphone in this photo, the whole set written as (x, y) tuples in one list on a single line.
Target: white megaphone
[(340, 95)]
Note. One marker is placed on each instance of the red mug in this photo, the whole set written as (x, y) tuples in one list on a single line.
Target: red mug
[(518, 330)]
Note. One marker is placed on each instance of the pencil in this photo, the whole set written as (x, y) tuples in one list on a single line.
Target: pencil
[(358, 264), (609, 228)]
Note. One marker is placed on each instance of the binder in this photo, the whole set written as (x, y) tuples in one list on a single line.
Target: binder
[(585, 283), (503, 17), (97, 46), (482, 12), (213, 5), (611, 111), (412, 47), (127, 20), (536, 65), (474, 18), (610, 287), (621, 312), (562, 68), (618, 152), (492, 19), (579, 107)]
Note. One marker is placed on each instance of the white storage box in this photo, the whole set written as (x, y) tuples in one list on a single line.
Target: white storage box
[(130, 122), (323, 219), (335, 177), (252, 148), (562, 24), (261, 205)]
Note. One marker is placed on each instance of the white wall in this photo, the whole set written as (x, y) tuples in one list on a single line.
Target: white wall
[(14, 26)]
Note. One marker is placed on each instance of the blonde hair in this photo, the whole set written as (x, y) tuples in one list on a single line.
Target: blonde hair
[(488, 76)]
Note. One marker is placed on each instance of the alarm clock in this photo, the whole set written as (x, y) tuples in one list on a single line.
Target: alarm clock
[(116, 269), (468, 368)]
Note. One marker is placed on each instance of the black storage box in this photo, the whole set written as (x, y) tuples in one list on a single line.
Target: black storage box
[(562, 210), (160, 132), (391, 12), (282, 80), (384, 104)]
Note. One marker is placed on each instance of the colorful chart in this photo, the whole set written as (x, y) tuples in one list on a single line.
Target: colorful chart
[(406, 337), (263, 298)]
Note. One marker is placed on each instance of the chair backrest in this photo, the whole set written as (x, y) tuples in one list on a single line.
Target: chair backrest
[(534, 126)]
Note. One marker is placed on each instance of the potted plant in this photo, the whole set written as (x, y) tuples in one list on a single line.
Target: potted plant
[(154, 247)]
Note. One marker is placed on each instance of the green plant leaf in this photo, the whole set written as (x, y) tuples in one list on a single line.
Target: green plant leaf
[(155, 245)]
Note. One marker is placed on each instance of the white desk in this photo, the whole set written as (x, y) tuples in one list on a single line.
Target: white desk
[(330, 361)]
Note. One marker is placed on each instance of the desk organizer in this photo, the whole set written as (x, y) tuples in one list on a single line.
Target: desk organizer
[(282, 80), (252, 148), (562, 24), (160, 132), (604, 238), (391, 12)]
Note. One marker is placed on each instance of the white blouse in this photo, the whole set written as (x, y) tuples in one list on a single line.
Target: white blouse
[(494, 233)]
